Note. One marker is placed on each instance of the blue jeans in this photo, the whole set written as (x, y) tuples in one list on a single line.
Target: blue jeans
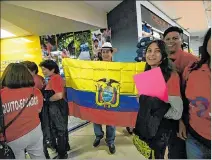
[(110, 133), (196, 150)]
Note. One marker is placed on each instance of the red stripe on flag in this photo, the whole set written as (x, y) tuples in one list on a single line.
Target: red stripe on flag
[(122, 119)]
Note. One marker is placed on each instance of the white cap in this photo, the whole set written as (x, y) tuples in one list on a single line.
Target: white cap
[(107, 45)]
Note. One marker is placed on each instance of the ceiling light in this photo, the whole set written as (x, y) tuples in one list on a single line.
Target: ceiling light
[(21, 40), (6, 34)]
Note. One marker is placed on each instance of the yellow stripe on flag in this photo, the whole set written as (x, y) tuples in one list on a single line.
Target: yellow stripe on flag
[(83, 75)]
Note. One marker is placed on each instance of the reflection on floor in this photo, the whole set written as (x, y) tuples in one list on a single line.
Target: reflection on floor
[(81, 146)]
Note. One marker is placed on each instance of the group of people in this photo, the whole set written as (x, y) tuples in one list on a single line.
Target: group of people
[(176, 125), (43, 121), (179, 121), (183, 124)]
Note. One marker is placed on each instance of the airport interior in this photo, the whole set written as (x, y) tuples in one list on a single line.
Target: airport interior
[(89, 80)]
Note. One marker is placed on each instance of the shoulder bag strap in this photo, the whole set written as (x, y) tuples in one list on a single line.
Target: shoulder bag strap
[(185, 116)]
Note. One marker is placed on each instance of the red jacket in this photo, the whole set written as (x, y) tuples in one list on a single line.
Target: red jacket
[(182, 59), (198, 92)]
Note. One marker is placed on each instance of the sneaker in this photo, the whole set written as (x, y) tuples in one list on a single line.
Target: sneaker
[(96, 142), (112, 148)]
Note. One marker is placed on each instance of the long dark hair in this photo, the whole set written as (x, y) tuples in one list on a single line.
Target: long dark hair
[(205, 57), (166, 64)]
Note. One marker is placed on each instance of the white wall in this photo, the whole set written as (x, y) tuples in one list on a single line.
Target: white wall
[(195, 43)]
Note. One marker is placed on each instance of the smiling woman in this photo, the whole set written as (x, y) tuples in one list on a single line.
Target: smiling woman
[(157, 55), (153, 55), (160, 119)]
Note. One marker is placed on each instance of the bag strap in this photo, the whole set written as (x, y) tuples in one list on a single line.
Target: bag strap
[(13, 120)]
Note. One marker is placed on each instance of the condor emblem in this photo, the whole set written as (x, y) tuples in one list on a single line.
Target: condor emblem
[(107, 93)]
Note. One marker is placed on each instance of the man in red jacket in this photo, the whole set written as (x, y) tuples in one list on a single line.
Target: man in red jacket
[(181, 59), (173, 39)]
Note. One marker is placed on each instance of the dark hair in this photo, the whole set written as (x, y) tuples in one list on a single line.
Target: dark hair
[(32, 66), (95, 40), (102, 30), (205, 57), (50, 65), (173, 29), (16, 75), (166, 64)]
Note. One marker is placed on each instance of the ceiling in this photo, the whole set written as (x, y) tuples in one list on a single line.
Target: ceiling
[(17, 31), (192, 13), (24, 18), (107, 6), (41, 17), (26, 21)]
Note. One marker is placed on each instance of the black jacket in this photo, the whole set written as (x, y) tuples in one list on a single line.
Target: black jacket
[(54, 116), (150, 115)]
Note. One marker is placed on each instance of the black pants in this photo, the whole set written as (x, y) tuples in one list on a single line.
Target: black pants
[(177, 148), (45, 125), (159, 144), (167, 137), (58, 113)]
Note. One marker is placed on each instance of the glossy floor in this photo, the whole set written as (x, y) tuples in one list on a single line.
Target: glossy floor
[(81, 146)]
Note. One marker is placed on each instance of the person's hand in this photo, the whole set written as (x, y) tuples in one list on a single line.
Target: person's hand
[(182, 130)]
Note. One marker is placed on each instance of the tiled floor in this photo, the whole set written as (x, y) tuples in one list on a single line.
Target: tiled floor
[(81, 146)]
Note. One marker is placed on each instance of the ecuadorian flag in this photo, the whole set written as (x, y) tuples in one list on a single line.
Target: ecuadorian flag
[(102, 92)]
